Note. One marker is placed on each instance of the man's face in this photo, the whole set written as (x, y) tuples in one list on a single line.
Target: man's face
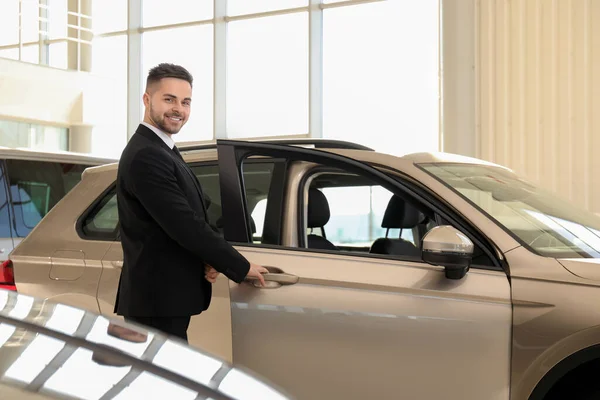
[(168, 104)]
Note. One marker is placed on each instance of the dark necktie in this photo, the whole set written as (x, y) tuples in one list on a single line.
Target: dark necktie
[(189, 171), (176, 150), (197, 183)]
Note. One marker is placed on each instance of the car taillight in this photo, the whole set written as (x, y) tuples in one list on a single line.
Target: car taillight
[(7, 276)]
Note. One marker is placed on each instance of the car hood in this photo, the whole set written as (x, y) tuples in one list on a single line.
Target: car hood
[(587, 268)]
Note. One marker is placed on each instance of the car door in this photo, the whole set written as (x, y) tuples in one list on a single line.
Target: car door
[(331, 324)]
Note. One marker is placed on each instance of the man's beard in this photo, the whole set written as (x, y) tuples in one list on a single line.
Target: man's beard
[(159, 120)]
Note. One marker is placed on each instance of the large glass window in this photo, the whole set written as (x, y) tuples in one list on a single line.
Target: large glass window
[(30, 14), (12, 54), (173, 46), (267, 72), (31, 53), (160, 12), (109, 15), (58, 55), (379, 79), (57, 19), (40, 137), (380, 75), (240, 7), (9, 23), (109, 60), (33, 28)]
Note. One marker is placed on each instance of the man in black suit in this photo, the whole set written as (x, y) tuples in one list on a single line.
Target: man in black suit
[(171, 255)]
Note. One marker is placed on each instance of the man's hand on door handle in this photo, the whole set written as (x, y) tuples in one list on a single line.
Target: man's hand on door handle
[(256, 271)]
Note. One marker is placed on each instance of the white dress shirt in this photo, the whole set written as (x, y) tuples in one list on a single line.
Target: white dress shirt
[(164, 137)]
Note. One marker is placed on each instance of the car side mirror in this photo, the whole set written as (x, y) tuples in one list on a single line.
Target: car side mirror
[(448, 247)]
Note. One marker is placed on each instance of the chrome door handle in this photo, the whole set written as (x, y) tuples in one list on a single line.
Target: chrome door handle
[(274, 280), (118, 264), (282, 277)]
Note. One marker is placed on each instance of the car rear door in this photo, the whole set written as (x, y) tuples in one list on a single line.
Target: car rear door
[(339, 325)]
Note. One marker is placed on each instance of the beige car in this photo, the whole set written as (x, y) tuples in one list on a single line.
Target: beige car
[(426, 276), (31, 183)]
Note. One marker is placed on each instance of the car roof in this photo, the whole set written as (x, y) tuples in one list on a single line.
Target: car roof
[(55, 351), (443, 158), (206, 151), (57, 156)]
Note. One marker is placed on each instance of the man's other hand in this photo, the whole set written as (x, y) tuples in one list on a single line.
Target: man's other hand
[(256, 271), (211, 274)]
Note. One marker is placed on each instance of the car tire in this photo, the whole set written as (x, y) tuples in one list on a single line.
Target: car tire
[(575, 392), (589, 394)]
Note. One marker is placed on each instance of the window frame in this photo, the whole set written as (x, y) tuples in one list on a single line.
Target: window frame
[(302, 208), (305, 183), (274, 210), (233, 152), (91, 211)]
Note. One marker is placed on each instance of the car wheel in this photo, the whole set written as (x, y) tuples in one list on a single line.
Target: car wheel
[(588, 394), (574, 392)]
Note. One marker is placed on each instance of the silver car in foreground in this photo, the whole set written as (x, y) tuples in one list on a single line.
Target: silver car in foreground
[(54, 351), (426, 276)]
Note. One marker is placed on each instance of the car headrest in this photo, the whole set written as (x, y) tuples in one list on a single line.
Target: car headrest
[(318, 209), (401, 215)]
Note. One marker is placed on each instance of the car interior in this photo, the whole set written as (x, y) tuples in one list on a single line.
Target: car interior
[(396, 230), (399, 226)]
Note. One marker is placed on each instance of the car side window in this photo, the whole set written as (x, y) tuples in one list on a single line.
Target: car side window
[(36, 187), (102, 222), (349, 213), (257, 180), (258, 177)]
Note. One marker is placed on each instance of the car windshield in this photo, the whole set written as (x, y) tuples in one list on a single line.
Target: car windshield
[(544, 222)]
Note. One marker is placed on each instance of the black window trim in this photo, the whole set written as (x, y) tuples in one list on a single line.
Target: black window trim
[(273, 225), (12, 222), (93, 209)]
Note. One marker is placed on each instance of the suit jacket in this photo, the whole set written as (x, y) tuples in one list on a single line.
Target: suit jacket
[(165, 234)]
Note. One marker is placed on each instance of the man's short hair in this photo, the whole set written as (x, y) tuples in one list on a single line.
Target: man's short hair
[(167, 70)]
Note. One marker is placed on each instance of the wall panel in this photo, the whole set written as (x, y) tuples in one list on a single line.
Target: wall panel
[(537, 92)]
